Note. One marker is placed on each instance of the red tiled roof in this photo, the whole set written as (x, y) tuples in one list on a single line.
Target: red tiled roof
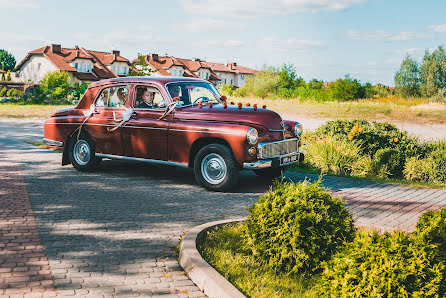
[(231, 67), (61, 61)]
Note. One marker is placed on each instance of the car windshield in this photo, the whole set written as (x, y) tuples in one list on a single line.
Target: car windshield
[(190, 93)]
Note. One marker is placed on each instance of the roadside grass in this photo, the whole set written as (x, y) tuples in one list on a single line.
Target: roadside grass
[(388, 109), (223, 249), (26, 111), (403, 182), (42, 145)]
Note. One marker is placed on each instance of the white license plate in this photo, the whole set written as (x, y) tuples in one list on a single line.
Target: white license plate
[(288, 159)]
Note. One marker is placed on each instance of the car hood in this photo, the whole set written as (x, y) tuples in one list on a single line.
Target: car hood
[(247, 115)]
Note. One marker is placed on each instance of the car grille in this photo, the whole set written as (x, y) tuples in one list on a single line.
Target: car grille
[(273, 149)]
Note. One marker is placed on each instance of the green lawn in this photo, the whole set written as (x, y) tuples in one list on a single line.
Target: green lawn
[(223, 249)]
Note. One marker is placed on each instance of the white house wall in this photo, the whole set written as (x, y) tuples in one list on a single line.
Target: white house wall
[(176, 71), (120, 65), (35, 69)]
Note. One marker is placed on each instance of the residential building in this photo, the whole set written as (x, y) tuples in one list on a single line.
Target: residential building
[(231, 73), (215, 73), (81, 64)]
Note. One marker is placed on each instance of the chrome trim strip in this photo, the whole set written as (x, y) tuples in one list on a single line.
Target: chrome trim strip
[(152, 161), (155, 128), (277, 130), (261, 164), (286, 140), (52, 143), (205, 131)]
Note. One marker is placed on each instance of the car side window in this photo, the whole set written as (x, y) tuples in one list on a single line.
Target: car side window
[(112, 97), (147, 97)]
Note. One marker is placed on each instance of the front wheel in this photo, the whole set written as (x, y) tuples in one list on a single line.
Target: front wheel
[(215, 168), (81, 152), (270, 173)]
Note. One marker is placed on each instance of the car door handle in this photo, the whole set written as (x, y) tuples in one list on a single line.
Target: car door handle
[(134, 114)]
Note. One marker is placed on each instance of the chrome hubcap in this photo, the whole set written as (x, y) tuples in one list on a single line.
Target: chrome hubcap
[(81, 152), (213, 168)]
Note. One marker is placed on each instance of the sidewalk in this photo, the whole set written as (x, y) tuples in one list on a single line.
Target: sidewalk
[(24, 267)]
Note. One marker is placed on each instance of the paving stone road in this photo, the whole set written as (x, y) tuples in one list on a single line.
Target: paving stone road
[(113, 232)]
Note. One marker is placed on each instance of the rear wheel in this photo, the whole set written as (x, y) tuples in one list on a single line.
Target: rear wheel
[(270, 173), (215, 168), (81, 152)]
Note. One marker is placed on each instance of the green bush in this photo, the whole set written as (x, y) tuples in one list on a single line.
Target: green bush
[(333, 155), (431, 227), (56, 85), (262, 84), (294, 227), (363, 167), (390, 161), (3, 92), (226, 89), (346, 89), (13, 93), (388, 265), (430, 169), (372, 136)]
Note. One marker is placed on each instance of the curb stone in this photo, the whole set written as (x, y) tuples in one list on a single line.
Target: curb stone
[(199, 271)]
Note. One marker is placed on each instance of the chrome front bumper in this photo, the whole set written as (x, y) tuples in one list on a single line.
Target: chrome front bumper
[(273, 162), (52, 143)]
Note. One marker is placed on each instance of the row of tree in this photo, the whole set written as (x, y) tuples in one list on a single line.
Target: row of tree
[(426, 78), (284, 82)]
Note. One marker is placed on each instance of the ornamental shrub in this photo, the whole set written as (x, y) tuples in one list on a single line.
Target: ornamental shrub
[(294, 227), (430, 169), (431, 227), (3, 92), (372, 136), (388, 265), (390, 161), (333, 155)]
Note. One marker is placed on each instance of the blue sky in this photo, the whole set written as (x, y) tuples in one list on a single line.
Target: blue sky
[(324, 39)]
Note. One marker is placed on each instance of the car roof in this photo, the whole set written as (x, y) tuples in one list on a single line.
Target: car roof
[(159, 80)]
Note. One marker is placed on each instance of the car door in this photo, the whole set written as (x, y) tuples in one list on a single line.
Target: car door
[(110, 106), (145, 134)]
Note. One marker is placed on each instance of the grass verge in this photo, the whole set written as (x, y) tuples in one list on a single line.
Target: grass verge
[(402, 182), (42, 145), (26, 111), (417, 111), (223, 249)]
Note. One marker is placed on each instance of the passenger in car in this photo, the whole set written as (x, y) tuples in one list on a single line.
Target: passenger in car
[(147, 97)]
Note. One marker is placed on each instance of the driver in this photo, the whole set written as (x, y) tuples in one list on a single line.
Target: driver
[(174, 90)]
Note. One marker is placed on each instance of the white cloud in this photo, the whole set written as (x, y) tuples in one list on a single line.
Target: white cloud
[(290, 45), (382, 35), (199, 25), (222, 43), (120, 39), (18, 4), (438, 28), (253, 8)]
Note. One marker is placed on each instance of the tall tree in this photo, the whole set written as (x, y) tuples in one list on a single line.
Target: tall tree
[(433, 72), (7, 60), (141, 68), (407, 79)]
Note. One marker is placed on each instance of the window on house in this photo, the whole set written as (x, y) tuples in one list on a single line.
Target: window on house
[(207, 76), (87, 67), (38, 66), (242, 76), (231, 82), (76, 65), (225, 81)]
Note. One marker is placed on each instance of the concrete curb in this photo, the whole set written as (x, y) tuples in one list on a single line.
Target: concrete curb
[(199, 271)]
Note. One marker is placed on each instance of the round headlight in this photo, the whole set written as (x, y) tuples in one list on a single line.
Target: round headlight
[(298, 129), (252, 136)]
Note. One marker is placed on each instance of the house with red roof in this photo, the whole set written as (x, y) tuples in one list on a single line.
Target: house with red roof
[(215, 73), (81, 64)]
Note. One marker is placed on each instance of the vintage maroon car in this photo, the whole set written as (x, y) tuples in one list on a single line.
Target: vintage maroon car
[(174, 121)]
